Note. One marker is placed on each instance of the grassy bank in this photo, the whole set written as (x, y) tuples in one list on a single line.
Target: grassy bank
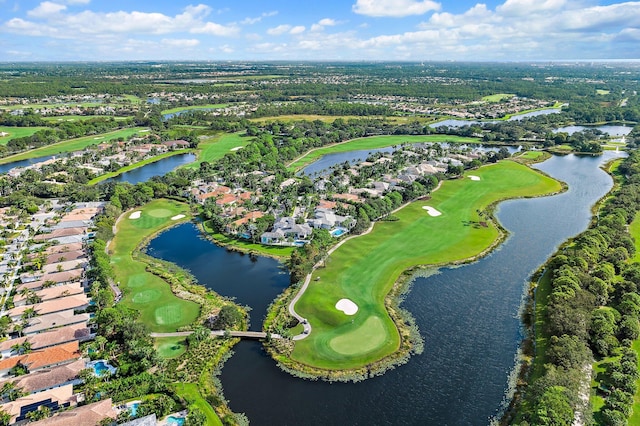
[(214, 148), (194, 107), (71, 145), (143, 291), (373, 142), (365, 269), (17, 132), (137, 165), (246, 246)]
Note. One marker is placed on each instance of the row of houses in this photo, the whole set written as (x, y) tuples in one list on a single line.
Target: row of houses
[(41, 358)]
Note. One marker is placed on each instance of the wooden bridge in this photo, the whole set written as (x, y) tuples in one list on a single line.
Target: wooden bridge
[(240, 334)]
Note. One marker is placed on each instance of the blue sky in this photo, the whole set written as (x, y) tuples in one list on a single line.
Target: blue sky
[(414, 30)]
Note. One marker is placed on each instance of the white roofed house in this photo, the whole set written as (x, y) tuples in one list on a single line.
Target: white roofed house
[(284, 229)]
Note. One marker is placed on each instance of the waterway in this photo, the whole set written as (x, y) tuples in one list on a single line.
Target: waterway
[(469, 317), (460, 123), (159, 168), (4, 168), (323, 164), (611, 129)]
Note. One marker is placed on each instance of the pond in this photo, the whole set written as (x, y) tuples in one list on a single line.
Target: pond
[(517, 117), (469, 317), (611, 129), (159, 168)]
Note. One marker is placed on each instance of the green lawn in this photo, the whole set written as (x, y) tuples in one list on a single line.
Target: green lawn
[(374, 142), (191, 394), (364, 269), (159, 308), (71, 145), (247, 246), (170, 347), (17, 132), (137, 165), (497, 97), (531, 155), (214, 148), (81, 117), (193, 107)]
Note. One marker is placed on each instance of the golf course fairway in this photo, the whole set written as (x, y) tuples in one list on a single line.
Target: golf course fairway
[(143, 291), (364, 269)]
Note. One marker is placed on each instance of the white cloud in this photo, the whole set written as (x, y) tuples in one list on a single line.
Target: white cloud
[(251, 21), (528, 7), (280, 29), (46, 10), (183, 43), (52, 20), (299, 29), (394, 8), (327, 22)]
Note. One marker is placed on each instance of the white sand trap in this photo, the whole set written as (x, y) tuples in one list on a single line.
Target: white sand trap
[(144, 131), (100, 137), (347, 306), (431, 211), (135, 215), (474, 177), (236, 148), (178, 216)]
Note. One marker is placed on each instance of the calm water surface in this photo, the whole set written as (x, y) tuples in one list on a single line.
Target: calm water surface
[(159, 168), (469, 317)]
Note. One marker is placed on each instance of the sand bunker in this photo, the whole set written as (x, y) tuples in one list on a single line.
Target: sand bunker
[(474, 177), (135, 215), (347, 306), (431, 211), (236, 148), (99, 137), (178, 216)]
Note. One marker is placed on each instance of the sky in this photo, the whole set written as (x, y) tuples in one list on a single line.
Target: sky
[(345, 30)]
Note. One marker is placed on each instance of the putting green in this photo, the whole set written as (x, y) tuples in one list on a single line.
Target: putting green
[(160, 212), (367, 337), (146, 296), (364, 269), (143, 291), (169, 314)]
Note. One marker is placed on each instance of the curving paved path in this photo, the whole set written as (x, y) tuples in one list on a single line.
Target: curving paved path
[(307, 327)]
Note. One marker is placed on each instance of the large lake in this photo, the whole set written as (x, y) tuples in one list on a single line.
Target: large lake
[(469, 317), (158, 168)]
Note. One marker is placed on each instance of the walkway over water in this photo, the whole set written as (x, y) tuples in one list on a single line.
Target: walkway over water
[(241, 334)]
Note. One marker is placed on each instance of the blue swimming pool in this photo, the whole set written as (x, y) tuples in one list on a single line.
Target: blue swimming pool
[(133, 408), (337, 232), (100, 367), (175, 421)]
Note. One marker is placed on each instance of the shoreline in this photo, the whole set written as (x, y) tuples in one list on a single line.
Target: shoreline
[(402, 319)]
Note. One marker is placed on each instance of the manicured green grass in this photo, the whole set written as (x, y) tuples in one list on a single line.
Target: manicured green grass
[(497, 97), (374, 142), (247, 246), (137, 165), (191, 394), (365, 268), (602, 92), (634, 419), (80, 117), (193, 107), (331, 118), (170, 347), (214, 148), (17, 132), (531, 155), (142, 291), (634, 230), (71, 145)]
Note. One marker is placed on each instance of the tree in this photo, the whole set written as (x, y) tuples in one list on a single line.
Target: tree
[(11, 391), (5, 418), (41, 413), (553, 408), (228, 317), (195, 417)]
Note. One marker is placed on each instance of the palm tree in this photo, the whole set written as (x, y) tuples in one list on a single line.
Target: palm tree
[(41, 413), (11, 391), (22, 348)]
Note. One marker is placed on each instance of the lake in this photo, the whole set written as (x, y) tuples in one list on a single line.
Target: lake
[(611, 129), (460, 123), (159, 168), (469, 317)]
